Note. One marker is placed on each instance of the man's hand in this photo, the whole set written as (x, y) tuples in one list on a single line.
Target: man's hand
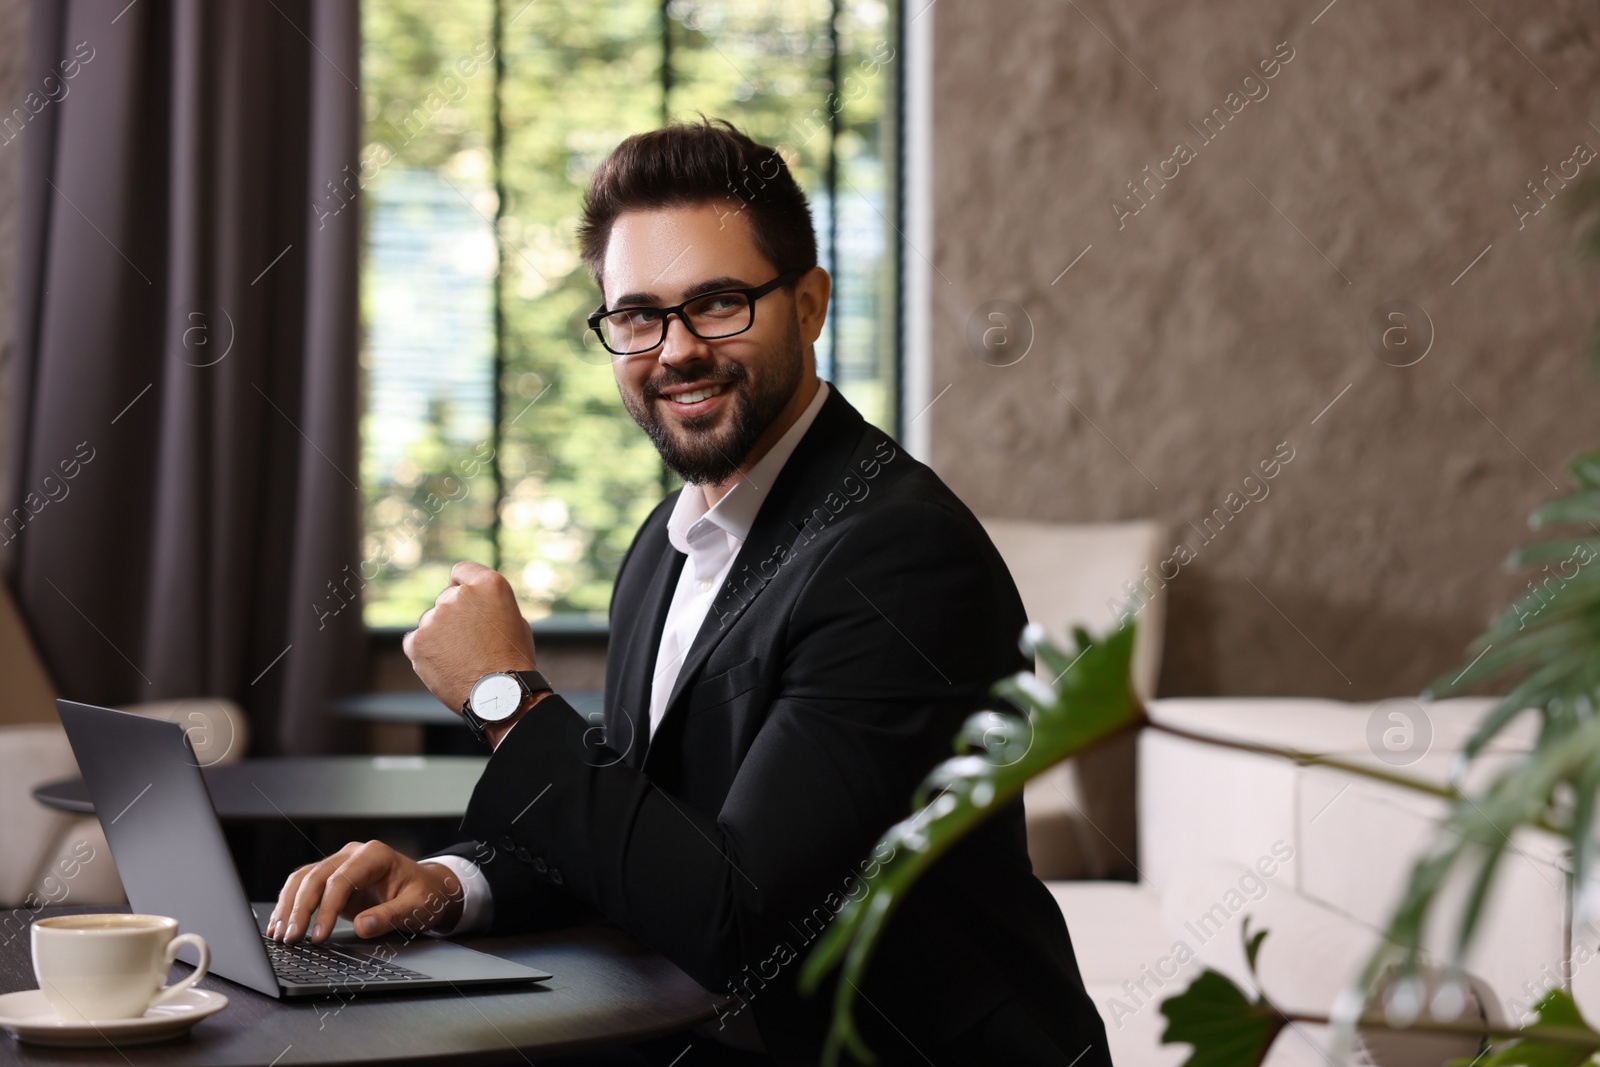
[(474, 628), (372, 884)]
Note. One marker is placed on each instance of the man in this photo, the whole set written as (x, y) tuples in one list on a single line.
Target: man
[(796, 636)]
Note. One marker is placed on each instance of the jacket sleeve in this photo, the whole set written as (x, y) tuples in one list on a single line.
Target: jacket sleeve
[(898, 633)]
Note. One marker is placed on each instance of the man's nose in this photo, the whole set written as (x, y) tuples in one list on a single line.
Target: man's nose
[(680, 345)]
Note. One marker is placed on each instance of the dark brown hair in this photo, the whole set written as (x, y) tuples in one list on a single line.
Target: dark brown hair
[(691, 163)]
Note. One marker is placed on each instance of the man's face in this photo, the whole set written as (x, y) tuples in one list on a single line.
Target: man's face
[(706, 404)]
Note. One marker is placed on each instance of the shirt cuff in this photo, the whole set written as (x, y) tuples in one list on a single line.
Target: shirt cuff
[(477, 900)]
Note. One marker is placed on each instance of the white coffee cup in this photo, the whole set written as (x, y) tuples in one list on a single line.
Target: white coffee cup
[(110, 966)]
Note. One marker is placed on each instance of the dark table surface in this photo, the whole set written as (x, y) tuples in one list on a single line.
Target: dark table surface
[(389, 788), (606, 990)]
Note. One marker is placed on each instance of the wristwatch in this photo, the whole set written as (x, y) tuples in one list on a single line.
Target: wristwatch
[(497, 697)]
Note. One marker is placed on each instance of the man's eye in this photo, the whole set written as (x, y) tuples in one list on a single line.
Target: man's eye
[(638, 317), (719, 305)]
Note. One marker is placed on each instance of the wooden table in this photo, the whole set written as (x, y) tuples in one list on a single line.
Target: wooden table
[(607, 990), (321, 788)]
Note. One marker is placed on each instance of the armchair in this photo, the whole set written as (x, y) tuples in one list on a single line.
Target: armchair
[(52, 857)]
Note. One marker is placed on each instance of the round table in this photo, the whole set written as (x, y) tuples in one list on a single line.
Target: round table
[(321, 788), (607, 990)]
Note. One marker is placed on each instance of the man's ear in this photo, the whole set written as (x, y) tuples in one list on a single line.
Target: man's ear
[(811, 293)]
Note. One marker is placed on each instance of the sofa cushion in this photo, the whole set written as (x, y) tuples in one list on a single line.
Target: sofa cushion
[(1120, 939), (1200, 803), (1336, 726)]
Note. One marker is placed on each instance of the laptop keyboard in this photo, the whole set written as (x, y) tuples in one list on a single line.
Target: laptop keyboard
[(323, 964)]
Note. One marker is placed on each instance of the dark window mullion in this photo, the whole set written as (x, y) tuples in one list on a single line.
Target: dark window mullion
[(894, 186), (666, 116), (497, 156), (835, 107), (666, 61)]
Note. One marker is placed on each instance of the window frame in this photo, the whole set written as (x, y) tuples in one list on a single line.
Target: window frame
[(908, 208)]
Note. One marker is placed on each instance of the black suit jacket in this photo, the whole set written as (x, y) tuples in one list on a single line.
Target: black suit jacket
[(864, 618)]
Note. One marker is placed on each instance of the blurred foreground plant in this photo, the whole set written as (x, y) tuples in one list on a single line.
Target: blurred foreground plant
[(1091, 700)]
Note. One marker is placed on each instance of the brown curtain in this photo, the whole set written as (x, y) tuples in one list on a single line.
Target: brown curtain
[(185, 514)]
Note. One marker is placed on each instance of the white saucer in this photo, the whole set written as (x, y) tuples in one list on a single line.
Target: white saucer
[(28, 1016)]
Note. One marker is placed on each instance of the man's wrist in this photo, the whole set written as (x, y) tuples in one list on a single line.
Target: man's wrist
[(496, 731), (447, 907)]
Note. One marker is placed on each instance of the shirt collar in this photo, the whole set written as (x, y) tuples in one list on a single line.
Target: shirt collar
[(736, 512)]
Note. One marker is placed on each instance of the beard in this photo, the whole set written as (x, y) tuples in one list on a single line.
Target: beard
[(709, 448)]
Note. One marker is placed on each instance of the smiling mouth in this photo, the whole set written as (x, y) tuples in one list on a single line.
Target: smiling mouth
[(698, 394), (698, 401)]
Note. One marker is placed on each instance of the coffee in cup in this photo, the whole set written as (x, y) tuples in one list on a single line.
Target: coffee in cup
[(110, 966)]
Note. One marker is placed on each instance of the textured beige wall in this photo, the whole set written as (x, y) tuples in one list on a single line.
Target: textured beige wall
[(13, 73), (1231, 310)]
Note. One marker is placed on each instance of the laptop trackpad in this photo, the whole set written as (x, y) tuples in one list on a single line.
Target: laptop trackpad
[(343, 929)]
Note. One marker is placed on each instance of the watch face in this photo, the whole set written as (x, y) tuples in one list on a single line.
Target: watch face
[(496, 697)]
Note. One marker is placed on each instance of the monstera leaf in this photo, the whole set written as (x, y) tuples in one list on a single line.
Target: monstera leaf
[(1226, 1028), (1560, 1038), (1550, 636), (1475, 837), (1089, 700)]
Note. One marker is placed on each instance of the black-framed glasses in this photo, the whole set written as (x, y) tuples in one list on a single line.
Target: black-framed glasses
[(628, 331)]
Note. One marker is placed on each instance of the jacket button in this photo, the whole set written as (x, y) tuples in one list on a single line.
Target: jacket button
[(506, 842), (524, 855), (539, 864), (555, 876)]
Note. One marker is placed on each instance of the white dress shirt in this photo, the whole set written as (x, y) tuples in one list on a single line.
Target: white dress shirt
[(711, 538)]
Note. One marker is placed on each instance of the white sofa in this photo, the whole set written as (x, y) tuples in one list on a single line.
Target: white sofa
[(1316, 856)]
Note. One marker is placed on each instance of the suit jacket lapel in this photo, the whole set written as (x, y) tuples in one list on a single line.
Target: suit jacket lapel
[(627, 718), (811, 472)]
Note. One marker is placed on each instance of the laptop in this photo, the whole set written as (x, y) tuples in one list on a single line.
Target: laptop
[(147, 789)]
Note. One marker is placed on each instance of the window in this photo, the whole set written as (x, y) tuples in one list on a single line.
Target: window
[(491, 432)]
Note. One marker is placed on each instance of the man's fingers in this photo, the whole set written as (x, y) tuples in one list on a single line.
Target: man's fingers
[(280, 913), (467, 572), (405, 912), (306, 898), (309, 893), (358, 871)]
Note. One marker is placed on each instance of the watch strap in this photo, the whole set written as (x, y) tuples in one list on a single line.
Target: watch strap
[(533, 682)]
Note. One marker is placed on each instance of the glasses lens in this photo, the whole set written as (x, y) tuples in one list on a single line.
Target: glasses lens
[(632, 330), (720, 314)]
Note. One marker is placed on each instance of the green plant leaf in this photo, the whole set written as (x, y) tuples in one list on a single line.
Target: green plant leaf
[(1578, 507), (1584, 468), (1476, 833), (1252, 944), (1549, 636), (1090, 699), (1555, 550), (1226, 1028), (1557, 1016)]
